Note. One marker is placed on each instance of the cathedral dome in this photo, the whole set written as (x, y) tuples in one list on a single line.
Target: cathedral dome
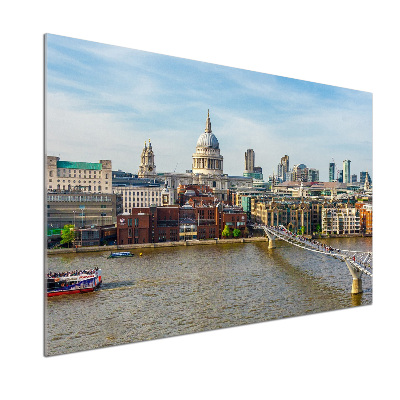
[(208, 139)]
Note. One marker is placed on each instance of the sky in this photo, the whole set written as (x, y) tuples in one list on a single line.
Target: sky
[(103, 102)]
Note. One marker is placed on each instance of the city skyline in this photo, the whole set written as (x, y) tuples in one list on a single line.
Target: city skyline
[(103, 102)]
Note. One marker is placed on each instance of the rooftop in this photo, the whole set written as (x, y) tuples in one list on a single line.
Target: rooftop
[(79, 165)]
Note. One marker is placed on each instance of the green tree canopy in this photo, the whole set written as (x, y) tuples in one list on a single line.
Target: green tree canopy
[(226, 232), (67, 234), (236, 233)]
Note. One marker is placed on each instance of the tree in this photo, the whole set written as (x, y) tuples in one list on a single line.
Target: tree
[(226, 232), (67, 234), (236, 233)]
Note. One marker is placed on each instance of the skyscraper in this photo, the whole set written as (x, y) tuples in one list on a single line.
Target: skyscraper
[(285, 165), (332, 177), (346, 171), (340, 175), (313, 175), (249, 169), (280, 172), (300, 172), (363, 175), (249, 158)]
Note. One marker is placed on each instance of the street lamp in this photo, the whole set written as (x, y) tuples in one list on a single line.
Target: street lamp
[(74, 217)]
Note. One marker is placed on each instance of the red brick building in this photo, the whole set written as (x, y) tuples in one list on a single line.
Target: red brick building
[(174, 223), (365, 218), (198, 192), (148, 225)]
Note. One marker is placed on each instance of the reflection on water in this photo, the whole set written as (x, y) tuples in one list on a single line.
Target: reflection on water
[(173, 291)]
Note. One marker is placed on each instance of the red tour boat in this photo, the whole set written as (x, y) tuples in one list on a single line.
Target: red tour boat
[(79, 281)]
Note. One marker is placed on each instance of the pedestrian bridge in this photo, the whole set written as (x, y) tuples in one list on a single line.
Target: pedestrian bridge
[(358, 262)]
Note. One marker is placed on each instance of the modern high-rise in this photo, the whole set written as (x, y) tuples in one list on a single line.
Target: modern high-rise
[(332, 177), (353, 178), (289, 176), (285, 165), (340, 175), (300, 172), (280, 173), (346, 171), (313, 175), (249, 158), (363, 175), (249, 166)]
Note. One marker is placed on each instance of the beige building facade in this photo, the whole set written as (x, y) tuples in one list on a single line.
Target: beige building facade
[(340, 220), (63, 176), (147, 168), (144, 196)]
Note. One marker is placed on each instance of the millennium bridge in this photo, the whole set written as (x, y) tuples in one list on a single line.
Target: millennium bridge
[(358, 262)]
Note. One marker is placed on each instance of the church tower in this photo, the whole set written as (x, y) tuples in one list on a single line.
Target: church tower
[(147, 168)]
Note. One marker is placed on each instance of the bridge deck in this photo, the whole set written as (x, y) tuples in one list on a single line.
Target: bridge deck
[(358, 259)]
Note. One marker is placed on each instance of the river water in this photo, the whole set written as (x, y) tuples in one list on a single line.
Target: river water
[(179, 290)]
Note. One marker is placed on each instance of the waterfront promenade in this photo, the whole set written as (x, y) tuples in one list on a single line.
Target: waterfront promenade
[(155, 245)]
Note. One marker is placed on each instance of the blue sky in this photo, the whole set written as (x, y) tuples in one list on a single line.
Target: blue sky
[(103, 102)]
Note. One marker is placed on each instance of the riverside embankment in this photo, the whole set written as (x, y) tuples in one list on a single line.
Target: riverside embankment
[(154, 245)]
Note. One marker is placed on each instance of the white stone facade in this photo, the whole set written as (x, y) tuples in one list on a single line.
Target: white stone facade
[(144, 196), (147, 168), (207, 159), (78, 176)]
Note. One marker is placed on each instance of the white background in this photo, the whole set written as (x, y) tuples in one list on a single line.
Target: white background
[(345, 354)]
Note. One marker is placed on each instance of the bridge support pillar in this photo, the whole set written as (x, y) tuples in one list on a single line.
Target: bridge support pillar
[(356, 287), (271, 241)]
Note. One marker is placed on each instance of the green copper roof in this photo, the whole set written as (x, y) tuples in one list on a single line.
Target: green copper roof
[(78, 165)]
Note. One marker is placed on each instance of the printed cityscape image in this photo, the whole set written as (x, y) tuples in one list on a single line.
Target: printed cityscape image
[(183, 196)]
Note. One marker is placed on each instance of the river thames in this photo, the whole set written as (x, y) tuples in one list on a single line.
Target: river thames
[(179, 290)]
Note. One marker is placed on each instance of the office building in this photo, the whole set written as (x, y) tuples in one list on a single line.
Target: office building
[(249, 158), (340, 175), (332, 177), (346, 171), (313, 175), (300, 173), (81, 209), (363, 175), (71, 176)]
